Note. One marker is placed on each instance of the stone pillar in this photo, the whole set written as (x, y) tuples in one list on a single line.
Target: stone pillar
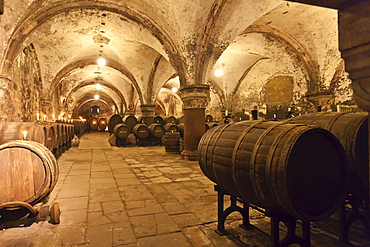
[(195, 99), (320, 99), (354, 45), (148, 114)]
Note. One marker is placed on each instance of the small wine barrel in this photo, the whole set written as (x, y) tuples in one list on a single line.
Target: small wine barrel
[(130, 121), (156, 130), (209, 118), (102, 124), (113, 121), (181, 144), (170, 119), (170, 127), (180, 119), (181, 129), (29, 172), (159, 120), (15, 130), (94, 123), (121, 131), (171, 142), (351, 129), (141, 131), (294, 169), (210, 125)]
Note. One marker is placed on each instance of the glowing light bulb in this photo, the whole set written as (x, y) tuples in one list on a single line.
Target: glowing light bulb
[(96, 96), (218, 73), (98, 86), (101, 61), (174, 89)]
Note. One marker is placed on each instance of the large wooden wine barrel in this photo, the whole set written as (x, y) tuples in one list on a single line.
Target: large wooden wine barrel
[(156, 130), (141, 131), (71, 131), (113, 121), (130, 121), (159, 120), (51, 141), (121, 131), (29, 172), (170, 119), (170, 127), (102, 124), (64, 133), (171, 142), (294, 169), (94, 123), (15, 130), (79, 126), (352, 131)]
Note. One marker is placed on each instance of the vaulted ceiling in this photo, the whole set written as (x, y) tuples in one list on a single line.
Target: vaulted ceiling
[(151, 46)]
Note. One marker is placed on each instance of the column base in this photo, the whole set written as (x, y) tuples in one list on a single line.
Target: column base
[(189, 155)]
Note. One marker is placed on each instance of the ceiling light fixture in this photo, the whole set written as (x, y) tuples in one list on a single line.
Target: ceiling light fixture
[(96, 96), (102, 62), (98, 86), (218, 73), (174, 89)]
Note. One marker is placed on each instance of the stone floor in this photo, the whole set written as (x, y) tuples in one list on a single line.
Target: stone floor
[(141, 196)]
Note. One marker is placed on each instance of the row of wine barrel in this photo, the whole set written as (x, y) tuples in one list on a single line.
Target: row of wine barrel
[(54, 136), (131, 121), (303, 167), (143, 131), (98, 124)]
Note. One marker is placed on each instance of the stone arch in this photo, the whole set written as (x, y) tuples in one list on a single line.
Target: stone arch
[(311, 65), (37, 14)]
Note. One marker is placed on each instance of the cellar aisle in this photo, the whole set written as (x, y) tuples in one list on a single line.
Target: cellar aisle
[(140, 196)]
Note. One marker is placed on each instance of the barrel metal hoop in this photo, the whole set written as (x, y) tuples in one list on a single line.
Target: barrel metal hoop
[(253, 178), (206, 169), (270, 156), (234, 171), (214, 146), (332, 120)]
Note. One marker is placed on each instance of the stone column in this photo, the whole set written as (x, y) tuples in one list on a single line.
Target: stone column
[(148, 114), (195, 99), (354, 45)]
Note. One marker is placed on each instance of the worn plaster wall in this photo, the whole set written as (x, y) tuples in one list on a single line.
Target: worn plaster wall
[(7, 109), (280, 82), (28, 85)]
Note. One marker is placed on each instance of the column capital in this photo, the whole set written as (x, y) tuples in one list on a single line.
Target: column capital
[(147, 110), (195, 96)]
